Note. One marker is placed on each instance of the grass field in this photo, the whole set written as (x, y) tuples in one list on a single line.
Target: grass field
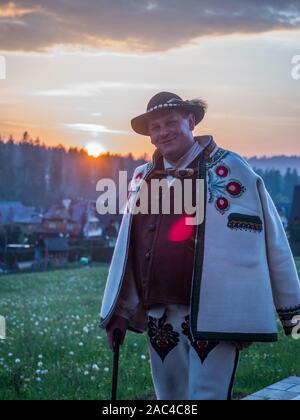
[(55, 350)]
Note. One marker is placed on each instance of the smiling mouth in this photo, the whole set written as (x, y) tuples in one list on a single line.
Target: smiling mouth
[(168, 141)]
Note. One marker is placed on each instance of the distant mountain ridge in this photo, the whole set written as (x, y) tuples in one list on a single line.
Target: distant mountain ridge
[(281, 163)]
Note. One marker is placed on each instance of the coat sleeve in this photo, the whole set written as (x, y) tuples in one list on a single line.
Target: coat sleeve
[(128, 301), (282, 268)]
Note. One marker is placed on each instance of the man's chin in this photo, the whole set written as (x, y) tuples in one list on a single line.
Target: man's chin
[(168, 147)]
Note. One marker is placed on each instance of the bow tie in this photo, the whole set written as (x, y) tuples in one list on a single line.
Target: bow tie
[(177, 173)]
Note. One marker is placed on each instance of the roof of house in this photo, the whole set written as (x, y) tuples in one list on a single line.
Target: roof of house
[(57, 213), (56, 244), (16, 212)]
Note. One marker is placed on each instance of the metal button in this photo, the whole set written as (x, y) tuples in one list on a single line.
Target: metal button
[(148, 255), (152, 227)]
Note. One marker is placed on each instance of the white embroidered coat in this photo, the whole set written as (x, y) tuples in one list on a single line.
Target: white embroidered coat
[(243, 267)]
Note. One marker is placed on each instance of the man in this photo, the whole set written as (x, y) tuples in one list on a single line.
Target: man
[(202, 291)]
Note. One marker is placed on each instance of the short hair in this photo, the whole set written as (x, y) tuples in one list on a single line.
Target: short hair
[(197, 101)]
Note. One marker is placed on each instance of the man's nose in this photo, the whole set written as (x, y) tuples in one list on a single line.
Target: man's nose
[(164, 132)]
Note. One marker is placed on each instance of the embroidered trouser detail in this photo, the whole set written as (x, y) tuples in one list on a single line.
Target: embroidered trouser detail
[(162, 337), (183, 369), (202, 348)]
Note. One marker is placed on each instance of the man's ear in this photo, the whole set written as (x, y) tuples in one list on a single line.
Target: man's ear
[(191, 119)]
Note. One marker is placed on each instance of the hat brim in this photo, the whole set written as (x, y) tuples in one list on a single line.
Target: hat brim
[(140, 123)]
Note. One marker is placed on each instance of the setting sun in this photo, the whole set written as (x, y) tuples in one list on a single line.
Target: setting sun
[(94, 149)]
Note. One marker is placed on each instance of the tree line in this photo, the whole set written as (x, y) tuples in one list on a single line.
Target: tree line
[(38, 175), (280, 186)]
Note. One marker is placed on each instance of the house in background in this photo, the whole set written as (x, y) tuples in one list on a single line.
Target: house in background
[(58, 222), (67, 231), (8, 210), (84, 211), (18, 224), (28, 220), (14, 212), (76, 218), (52, 252)]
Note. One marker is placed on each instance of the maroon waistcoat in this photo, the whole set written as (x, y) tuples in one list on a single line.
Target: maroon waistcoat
[(163, 250)]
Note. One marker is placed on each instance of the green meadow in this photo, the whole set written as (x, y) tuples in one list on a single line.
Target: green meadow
[(54, 348)]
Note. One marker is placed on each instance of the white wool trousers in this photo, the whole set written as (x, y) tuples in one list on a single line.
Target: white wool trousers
[(183, 369)]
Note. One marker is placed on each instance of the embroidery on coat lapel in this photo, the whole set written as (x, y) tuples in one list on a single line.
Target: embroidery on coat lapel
[(245, 222), (202, 348), (220, 189), (213, 160), (135, 184), (162, 336)]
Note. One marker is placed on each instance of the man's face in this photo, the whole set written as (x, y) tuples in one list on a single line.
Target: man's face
[(171, 133)]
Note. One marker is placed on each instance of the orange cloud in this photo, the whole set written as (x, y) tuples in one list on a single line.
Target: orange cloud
[(11, 10)]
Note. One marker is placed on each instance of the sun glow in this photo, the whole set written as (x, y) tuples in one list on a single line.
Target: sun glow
[(94, 149)]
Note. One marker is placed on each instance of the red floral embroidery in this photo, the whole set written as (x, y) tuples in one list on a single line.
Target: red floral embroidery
[(222, 204), (234, 188), (139, 176), (221, 191), (222, 171)]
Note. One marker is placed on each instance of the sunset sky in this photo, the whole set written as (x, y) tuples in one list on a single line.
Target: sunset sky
[(78, 71)]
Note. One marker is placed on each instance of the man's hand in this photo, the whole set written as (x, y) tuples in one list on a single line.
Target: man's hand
[(242, 345), (116, 322)]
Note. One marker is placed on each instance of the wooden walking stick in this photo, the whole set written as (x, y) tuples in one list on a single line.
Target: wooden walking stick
[(116, 348)]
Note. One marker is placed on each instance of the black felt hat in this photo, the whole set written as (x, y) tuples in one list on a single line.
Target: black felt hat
[(167, 100)]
